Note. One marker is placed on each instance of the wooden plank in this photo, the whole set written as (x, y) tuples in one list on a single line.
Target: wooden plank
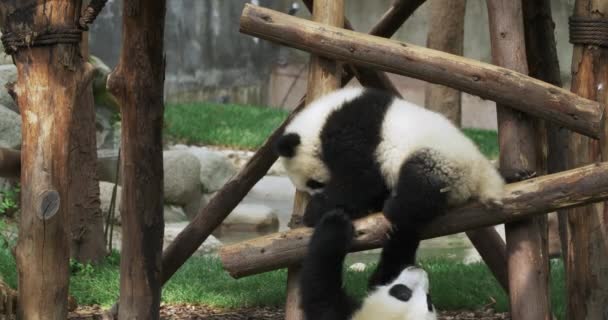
[(522, 200), (137, 83), (587, 243), (487, 81)]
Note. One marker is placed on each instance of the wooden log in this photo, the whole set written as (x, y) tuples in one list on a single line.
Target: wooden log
[(446, 33), (212, 215), (324, 76), (493, 251), (10, 163), (49, 80), (587, 241), (520, 152), (137, 83), (522, 200), (487, 81), (543, 64)]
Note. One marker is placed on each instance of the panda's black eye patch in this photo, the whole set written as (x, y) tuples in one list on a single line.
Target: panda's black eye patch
[(401, 292), (314, 184)]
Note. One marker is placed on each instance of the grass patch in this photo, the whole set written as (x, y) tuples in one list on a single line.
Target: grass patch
[(454, 286), (247, 127)]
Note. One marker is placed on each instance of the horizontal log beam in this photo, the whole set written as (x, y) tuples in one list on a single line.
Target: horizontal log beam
[(502, 85), (10, 163), (522, 200)]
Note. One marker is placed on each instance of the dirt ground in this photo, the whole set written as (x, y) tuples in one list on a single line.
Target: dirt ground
[(196, 312)]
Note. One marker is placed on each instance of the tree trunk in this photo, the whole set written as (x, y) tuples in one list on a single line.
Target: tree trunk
[(522, 200), (487, 81), (446, 33), (50, 80), (587, 250), (520, 154), (324, 77), (137, 83), (187, 241), (88, 242)]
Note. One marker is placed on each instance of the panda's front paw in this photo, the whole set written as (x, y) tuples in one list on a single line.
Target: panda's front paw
[(333, 233)]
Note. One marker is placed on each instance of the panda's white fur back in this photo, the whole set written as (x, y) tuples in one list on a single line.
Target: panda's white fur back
[(406, 129)]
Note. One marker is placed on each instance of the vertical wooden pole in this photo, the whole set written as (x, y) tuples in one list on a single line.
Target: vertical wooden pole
[(587, 252), (324, 77), (49, 80), (446, 33), (520, 155), (87, 238), (137, 83)]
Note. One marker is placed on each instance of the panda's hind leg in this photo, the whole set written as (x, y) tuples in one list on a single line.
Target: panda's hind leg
[(419, 196)]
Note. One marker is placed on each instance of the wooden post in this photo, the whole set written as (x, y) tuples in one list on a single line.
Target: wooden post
[(137, 83), (543, 64), (324, 77), (502, 85), (87, 238), (587, 252), (520, 154), (50, 79), (522, 200), (446, 33), (212, 215)]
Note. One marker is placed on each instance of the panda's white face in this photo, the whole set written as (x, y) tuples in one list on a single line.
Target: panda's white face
[(406, 298), (306, 171)]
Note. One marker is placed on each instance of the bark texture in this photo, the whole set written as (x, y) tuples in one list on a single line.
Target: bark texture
[(137, 83), (520, 154), (522, 200), (487, 81), (49, 80), (587, 227), (446, 33)]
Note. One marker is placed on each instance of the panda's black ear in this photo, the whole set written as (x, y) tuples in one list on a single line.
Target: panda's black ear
[(286, 145)]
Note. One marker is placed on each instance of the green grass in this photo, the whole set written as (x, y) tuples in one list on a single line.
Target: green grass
[(454, 286), (247, 127)]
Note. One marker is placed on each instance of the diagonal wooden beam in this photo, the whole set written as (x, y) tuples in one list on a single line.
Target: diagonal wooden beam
[(485, 80), (522, 200)]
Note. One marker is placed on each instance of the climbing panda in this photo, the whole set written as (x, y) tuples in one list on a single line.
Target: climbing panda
[(404, 295), (364, 150)]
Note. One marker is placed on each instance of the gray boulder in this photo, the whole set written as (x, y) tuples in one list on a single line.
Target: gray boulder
[(182, 172), (8, 73), (10, 128), (251, 217), (174, 214), (215, 168)]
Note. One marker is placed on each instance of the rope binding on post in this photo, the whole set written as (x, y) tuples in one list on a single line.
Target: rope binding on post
[(14, 40), (588, 31)]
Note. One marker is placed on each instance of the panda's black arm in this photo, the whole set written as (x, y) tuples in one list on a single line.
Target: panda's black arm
[(323, 296), (398, 252)]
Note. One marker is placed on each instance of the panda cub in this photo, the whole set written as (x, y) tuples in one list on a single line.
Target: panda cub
[(405, 296), (364, 150)]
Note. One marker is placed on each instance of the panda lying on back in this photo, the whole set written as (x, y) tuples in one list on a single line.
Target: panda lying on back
[(365, 151), (404, 295)]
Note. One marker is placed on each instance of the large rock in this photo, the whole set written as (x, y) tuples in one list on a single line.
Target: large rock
[(8, 74), (216, 168), (105, 196), (251, 217), (10, 128), (174, 214), (211, 244), (182, 172)]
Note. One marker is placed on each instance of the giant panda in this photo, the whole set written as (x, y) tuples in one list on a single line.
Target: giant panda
[(403, 296), (364, 150)]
